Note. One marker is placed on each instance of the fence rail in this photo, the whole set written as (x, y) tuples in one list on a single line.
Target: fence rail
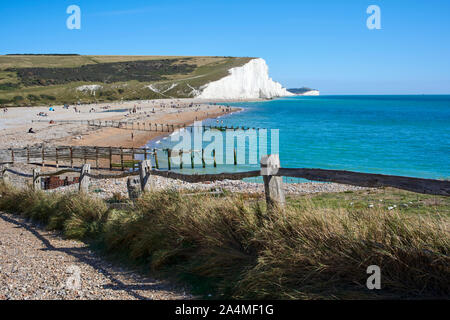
[(270, 171), (105, 157)]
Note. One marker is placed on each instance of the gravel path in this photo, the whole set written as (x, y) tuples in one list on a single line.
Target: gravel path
[(38, 264)]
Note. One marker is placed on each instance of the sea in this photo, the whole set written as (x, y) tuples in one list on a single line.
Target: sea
[(406, 135)]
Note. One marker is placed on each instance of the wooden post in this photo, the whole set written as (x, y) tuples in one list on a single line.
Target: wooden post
[(181, 158), (214, 157), (12, 155), (56, 157), (134, 187), (84, 179), (192, 159), (36, 179), (169, 154), (156, 158), (273, 185), (110, 158), (145, 169), (85, 155), (203, 158), (71, 157), (96, 157), (235, 157), (145, 153), (121, 158), (43, 155), (3, 176), (28, 155)]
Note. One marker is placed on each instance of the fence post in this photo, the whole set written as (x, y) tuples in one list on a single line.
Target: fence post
[(96, 157), (181, 158), (3, 175), (36, 179), (203, 158), (121, 159), (273, 185), (43, 155), (145, 169), (84, 179), (134, 188), (110, 158), (169, 155), (57, 158), (71, 157), (156, 158)]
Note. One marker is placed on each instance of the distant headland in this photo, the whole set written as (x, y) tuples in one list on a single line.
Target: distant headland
[(304, 91)]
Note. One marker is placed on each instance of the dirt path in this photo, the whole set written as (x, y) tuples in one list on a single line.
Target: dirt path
[(37, 264)]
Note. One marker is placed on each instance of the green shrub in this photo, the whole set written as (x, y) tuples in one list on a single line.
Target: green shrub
[(47, 97), (85, 216), (32, 97), (18, 98), (9, 86)]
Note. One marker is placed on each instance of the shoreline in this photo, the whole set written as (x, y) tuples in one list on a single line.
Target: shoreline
[(168, 134), (115, 137), (15, 123)]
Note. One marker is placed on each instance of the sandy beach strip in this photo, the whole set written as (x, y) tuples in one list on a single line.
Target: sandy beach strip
[(15, 123)]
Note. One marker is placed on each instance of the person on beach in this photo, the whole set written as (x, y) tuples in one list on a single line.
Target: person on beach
[(31, 130), (132, 136)]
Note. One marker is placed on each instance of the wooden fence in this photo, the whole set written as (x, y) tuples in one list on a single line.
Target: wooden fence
[(139, 181), (110, 158)]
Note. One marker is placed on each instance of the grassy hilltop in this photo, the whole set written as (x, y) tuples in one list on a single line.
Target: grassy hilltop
[(56, 79)]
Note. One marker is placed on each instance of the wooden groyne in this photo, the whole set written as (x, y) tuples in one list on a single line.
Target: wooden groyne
[(144, 125)]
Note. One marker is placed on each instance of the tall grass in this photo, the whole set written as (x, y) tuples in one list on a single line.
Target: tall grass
[(233, 249)]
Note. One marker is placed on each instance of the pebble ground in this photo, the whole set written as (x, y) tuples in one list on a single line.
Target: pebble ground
[(36, 264)]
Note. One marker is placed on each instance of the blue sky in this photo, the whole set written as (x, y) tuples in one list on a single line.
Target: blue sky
[(323, 44)]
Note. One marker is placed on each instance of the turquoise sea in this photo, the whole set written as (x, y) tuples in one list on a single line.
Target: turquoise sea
[(400, 135)]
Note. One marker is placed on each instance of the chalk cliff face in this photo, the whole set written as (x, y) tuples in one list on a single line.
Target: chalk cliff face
[(251, 81)]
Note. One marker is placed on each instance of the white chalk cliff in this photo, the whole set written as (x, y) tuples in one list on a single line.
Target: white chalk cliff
[(250, 81)]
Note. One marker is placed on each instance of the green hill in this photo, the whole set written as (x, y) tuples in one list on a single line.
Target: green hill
[(57, 79)]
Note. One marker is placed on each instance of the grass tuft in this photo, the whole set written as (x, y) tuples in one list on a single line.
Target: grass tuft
[(234, 248)]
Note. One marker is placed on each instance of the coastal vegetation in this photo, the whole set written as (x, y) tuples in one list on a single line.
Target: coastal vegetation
[(150, 70), (231, 246), (35, 78)]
